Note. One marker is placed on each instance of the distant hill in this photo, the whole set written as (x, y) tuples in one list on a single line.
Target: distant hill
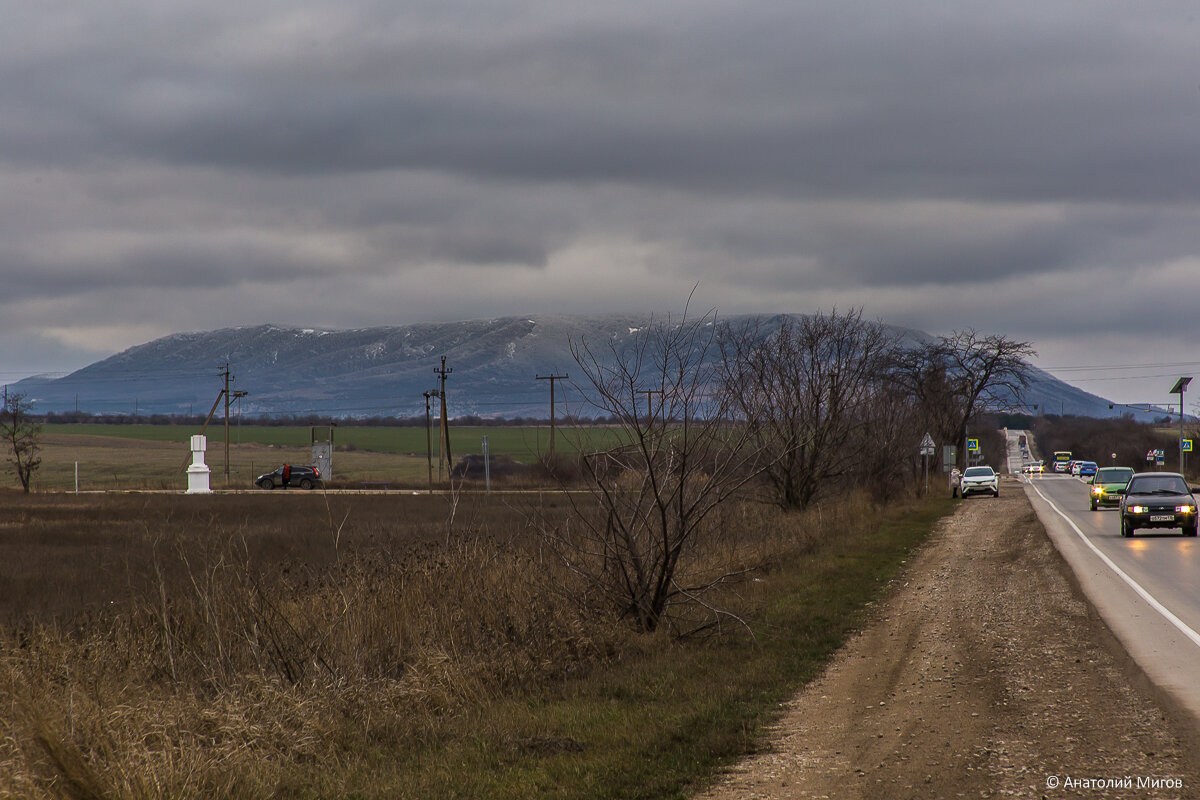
[(384, 371)]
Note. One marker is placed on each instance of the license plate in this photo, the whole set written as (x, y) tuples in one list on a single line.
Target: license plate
[(1162, 517)]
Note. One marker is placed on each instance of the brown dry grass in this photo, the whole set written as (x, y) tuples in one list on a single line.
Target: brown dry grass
[(300, 644), (66, 553), (260, 645)]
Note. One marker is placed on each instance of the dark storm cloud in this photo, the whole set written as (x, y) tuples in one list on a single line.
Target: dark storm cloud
[(799, 99)]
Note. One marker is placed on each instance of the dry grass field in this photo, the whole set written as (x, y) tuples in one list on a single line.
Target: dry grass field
[(395, 645), (61, 553), (200, 646)]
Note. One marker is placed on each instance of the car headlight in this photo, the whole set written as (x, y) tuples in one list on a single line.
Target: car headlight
[(1185, 509), (1137, 509), (1097, 490)]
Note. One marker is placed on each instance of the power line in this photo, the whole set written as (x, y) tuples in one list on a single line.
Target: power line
[(1172, 374), (1112, 367)]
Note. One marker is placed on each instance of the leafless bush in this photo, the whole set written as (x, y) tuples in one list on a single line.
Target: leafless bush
[(650, 505), (22, 436), (808, 387)]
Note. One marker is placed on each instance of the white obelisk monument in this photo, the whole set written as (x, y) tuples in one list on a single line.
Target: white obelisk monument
[(198, 471)]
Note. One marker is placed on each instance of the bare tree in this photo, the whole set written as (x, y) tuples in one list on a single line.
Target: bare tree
[(806, 390), (981, 373), (22, 435), (991, 371), (888, 443), (651, 500), (954, 378), (921, 373)]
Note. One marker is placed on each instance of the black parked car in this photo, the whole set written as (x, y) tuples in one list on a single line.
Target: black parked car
[(1158, 500), (303, 476)]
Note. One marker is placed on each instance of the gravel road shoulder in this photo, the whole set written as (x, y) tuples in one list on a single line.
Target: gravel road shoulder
[(984, 674)]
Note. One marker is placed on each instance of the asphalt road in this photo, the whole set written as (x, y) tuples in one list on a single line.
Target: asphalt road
[(1146, 589)]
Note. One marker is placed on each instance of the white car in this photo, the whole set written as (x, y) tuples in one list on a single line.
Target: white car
[(979, 480)]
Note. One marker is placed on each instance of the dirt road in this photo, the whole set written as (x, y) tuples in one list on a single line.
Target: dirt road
[(985, 674)]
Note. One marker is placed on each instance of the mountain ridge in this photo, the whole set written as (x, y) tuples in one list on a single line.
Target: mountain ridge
[(493, 368)]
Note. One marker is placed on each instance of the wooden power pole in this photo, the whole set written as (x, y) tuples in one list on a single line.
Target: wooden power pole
[(552, 379), (445, 432), (649, 405), (227, 396), (225, 393)]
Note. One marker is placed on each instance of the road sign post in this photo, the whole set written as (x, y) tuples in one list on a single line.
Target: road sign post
[(949, 457), (927, 449), (1179, 388)]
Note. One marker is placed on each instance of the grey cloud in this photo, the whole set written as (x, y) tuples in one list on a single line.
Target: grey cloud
[(177, 264), (320, 160), (799, 100)]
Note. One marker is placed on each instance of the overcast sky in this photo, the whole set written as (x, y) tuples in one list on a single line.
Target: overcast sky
[(1027, 168)]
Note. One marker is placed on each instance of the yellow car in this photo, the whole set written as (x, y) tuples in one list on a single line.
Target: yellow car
[(1108, 486)]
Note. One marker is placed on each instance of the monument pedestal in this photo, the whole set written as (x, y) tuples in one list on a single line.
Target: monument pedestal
[(198, 472)]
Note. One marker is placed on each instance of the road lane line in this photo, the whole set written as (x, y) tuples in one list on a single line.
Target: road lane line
[(1137, 587)]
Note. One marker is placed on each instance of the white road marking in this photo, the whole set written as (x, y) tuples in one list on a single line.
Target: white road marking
[(1137, 587)]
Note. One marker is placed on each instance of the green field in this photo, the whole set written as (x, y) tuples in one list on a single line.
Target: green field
[(523, 444), (115, 457)]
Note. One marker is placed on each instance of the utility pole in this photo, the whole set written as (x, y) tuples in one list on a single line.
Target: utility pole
[(649, 405), (225, 395), (445, 432), (429, 437), (966, 452), (552, 379), (1179, 388), (221, 395)]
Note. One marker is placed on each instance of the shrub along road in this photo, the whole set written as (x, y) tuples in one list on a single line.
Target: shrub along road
[(985, 674)]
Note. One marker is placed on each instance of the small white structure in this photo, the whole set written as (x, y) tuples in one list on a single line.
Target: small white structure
[(198, 471), (322, 450)]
